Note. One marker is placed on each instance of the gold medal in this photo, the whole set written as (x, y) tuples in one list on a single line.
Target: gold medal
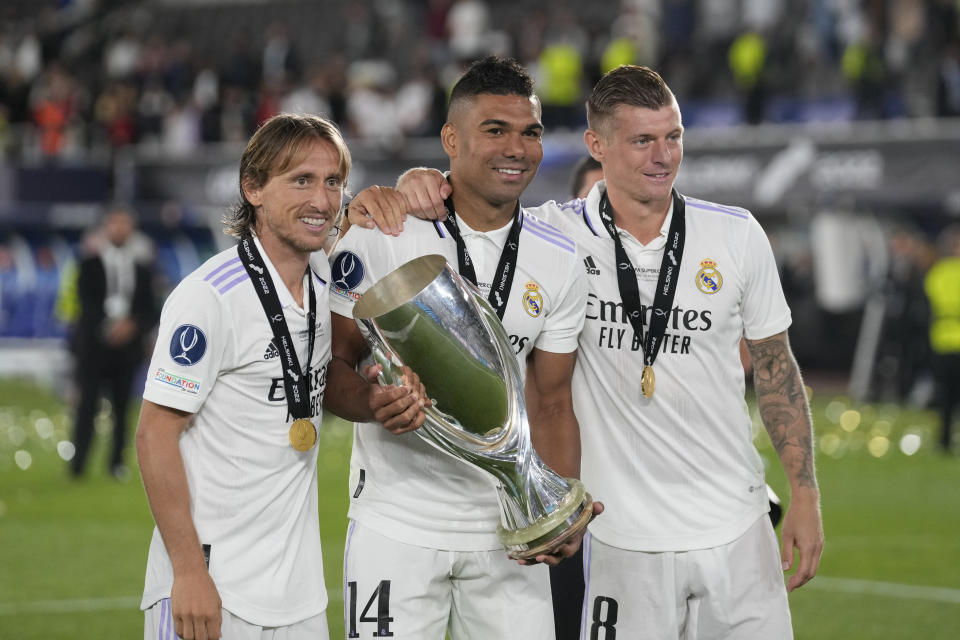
[(303, 435), (647, 381)]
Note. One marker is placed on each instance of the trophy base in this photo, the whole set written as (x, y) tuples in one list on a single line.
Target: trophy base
[(573, 515)]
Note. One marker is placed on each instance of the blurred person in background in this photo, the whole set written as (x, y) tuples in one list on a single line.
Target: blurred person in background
[(903, 352), (116, 311), (586, 173), (942, 285)]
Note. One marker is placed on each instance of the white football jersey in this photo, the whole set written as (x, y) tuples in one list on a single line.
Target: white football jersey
[(677, 471), (253, 497), (402, 487)]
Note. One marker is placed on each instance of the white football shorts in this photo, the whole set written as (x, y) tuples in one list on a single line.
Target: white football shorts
[(735, 591), (158, 625), (415, 593)]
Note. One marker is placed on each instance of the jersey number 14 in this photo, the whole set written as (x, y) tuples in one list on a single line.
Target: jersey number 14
[(382, 596)]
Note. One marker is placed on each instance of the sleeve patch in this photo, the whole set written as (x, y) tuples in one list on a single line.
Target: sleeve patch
[(182, 383), (188, 345), (346, 274)]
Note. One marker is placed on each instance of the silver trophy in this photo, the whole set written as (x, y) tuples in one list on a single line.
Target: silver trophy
[(423, 315)]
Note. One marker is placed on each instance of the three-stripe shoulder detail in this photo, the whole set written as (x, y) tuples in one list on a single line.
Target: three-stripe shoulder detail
[(548, 232), (227, 275)]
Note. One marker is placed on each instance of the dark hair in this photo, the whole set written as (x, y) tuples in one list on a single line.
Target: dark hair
[(492, 75), (116, 207), (584, 166), (630, 85), (275, 146)]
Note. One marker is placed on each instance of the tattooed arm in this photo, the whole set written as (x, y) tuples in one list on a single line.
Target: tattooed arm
[(782, 401)]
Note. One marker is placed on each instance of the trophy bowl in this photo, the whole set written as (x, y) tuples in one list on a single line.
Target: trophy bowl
[(425, 316)]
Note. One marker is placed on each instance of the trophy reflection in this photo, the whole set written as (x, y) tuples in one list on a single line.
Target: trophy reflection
[(423, 315)]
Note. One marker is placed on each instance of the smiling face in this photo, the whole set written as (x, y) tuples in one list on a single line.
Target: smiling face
[(495, 147), (641, 150), (296, 208)]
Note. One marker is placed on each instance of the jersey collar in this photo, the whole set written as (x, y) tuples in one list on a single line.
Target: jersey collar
[(283, 294), (498, 237), (593, 205)]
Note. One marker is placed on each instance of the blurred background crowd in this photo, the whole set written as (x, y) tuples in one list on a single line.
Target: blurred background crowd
[(91, 76), (837, 122)]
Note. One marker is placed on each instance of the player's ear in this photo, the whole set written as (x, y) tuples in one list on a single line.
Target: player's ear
[(448, 138), (594, 142), (251, 192)]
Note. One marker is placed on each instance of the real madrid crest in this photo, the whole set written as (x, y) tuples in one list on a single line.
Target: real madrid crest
[(709, 279), (532, 300)]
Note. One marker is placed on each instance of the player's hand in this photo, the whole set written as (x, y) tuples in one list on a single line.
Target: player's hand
[(567, 547), (398, 409), (425, 191), (381, 207), (196, 607), (803, 530)]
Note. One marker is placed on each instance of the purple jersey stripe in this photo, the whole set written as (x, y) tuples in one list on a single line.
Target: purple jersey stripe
[(226, 275), (319, 279), (566, 246), (163, 630), (700, 204), (163, 613), (230, 285), (171, 628), (440, 228), (221, 268), (547, 228)]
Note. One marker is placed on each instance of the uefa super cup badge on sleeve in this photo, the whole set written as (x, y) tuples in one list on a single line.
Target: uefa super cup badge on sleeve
[(423, 315)]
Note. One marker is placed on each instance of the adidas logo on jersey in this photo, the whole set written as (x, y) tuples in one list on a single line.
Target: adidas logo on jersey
[(591, 266), (271, 352)]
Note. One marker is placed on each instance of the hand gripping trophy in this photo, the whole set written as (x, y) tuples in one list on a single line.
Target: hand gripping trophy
[(425, 316)]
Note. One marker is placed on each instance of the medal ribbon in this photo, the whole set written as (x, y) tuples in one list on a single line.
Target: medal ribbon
[(666, 282), (296, 382), (503, 277)]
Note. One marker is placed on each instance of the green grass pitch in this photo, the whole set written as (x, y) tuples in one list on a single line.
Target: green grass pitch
[(72, 554)]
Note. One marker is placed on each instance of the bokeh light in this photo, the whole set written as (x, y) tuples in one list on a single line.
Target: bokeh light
[(23, 459), (850, 420), (880, 428), (44, 427), (910, 443), (831, 444), (834, 410), (66, 450), (878, 446)]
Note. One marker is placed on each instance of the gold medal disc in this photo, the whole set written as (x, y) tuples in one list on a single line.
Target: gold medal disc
[(647, 381), (303, 435)]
